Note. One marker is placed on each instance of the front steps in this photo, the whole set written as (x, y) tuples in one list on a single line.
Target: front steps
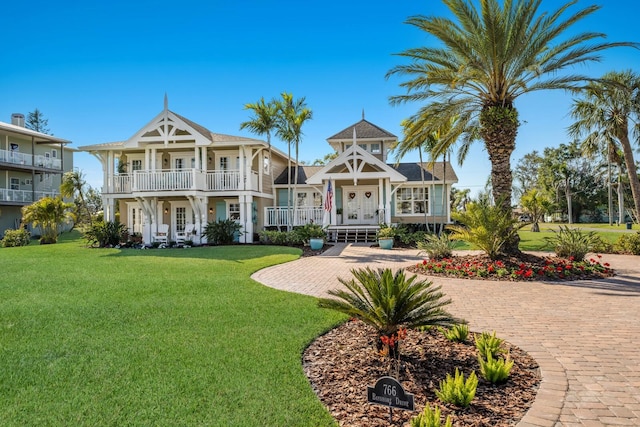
[(352, 233)]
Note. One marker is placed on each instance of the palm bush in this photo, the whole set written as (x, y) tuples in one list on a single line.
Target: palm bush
[(456, 390), (436, 247), (388, 301), (572, 242), (496, 371), (104, 234), (458, 333), (489, 345), (222, 232), (430, 418), (488, 227)]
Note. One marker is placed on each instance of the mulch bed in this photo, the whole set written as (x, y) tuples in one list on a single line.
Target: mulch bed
[(342, 363)]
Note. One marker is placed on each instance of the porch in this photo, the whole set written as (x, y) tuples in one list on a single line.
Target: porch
[(24, 196), (181, 179), (17, 158)]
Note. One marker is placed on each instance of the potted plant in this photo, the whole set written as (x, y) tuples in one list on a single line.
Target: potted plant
[(339, 216), (386, 235), (315, 234)]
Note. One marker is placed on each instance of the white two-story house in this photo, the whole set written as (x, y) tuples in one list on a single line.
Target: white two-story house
[(31, 167), (174, 174)]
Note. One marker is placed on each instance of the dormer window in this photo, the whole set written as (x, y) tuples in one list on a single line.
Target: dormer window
[(375, 148)]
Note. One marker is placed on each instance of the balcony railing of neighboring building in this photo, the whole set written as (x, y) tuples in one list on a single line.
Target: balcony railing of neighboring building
[(280, 216), (17, 158), (24, 196), (180, 179)]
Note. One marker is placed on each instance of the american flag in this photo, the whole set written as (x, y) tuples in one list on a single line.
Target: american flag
[(328, 200)]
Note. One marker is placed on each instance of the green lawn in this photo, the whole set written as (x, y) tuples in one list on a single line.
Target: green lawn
[(158, 337)]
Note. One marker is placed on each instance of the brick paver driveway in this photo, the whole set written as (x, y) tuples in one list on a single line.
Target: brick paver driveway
[(584, 334)]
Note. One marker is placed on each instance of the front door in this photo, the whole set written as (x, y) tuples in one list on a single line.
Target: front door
[(360, 205)]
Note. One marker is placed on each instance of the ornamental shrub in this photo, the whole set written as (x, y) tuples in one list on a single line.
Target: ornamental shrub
[(436, 247), (456, 390), (14, 238), (489, 344), (572, 242), (430, 418), (629, 243), (222, 232), (496, 371), (104, 234), (458, 333)]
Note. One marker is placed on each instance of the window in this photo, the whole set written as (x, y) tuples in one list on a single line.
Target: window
[(375, 148), (179, 163), (136, 165), (15, 184), (181, 218), (54, 154), (363, 146), (266, 165), (411, 201), (224, 163), (317, 200), (234, 211), (28, 181), (302, 199)]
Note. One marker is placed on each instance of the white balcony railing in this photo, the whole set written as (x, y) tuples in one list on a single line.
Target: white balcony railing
[(18, 158), (180, 179), (280, 216), (24, 196)]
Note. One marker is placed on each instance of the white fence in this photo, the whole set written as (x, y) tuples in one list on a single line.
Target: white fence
[(181, 179), (24, 196), (281, 216)]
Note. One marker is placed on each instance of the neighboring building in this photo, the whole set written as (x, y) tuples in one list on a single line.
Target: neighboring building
[(31, 167), (175, 174)]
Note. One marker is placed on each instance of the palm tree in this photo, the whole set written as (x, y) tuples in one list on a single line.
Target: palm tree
[(48, 214), (73, 186), (536, 204), (292, 115), (388, 301), (491, 56), (263, 122), (606, 112)]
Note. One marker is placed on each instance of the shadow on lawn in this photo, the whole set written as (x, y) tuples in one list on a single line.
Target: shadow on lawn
[(235, 253)]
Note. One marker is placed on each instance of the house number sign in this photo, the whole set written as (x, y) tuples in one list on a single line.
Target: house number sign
[(389, 392)]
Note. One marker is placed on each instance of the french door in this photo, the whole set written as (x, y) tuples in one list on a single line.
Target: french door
[(360, 205)]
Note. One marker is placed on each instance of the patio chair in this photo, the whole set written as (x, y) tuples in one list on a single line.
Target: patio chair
[(162, 235), (186, 234)]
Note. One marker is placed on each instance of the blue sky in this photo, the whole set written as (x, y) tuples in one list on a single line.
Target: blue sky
[(99, 70)]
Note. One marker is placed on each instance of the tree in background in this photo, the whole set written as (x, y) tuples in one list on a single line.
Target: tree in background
[(36, 121), (74, 186), (459, 199), (489, 57), (326, 159), (525, 173), (608, 111), (48, 214), (536, 204)]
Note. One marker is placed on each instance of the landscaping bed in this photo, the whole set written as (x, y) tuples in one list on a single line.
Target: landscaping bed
[(342, 363)]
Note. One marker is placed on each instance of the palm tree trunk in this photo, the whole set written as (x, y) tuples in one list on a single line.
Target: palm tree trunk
[(620, 191), (295, 183), (498, 129), (426, 208), (631, 167), (444, 193), (609, 193), (289, 213)]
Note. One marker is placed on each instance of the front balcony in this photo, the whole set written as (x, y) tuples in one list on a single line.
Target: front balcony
[(282, 216), (17, 158), (24, 196), (180, 179)]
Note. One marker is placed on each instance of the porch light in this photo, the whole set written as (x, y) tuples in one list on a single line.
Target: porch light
[(166, 211), (210, 211)]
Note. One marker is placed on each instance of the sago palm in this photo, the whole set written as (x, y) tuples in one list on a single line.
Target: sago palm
[(609, 111), (388, 301), (489, 56)]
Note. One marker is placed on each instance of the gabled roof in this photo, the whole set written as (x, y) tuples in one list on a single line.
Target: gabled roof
[(304, 172), (441, 171), (364, 130)]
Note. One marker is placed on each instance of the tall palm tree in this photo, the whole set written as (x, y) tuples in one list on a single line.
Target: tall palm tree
[(489, 57), (608, 110), (293, 113), (74, 186), (263, 122)]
